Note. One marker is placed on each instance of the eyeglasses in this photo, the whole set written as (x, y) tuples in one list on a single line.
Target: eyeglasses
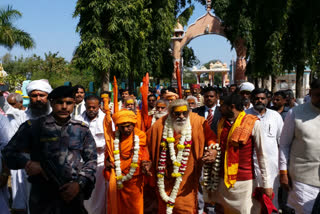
[(178, 113), (192, 103)]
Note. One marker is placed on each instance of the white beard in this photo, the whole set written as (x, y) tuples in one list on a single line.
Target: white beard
[(178, 126), (158, 115)]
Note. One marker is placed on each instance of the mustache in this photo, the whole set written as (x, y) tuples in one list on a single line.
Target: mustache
[(181, 119)]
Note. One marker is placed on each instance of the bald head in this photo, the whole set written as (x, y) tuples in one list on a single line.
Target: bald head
[(16, 101)]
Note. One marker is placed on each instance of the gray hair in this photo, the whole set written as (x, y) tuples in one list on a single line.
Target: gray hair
[(162, 101), (17, 97), (176, 103), (192, 97)]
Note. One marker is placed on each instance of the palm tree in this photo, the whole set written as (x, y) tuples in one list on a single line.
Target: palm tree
[(10, 35)]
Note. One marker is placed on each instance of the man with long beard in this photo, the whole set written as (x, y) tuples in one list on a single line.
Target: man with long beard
[(238, 134), (177, 150), (39, 106), (271, 124)]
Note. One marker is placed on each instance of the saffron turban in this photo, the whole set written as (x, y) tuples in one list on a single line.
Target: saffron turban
[(170, 94), (39, 85), (246, 86), (124, 116)]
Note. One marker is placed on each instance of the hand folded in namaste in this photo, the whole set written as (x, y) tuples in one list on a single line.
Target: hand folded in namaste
[(146, 166), (209, 156)]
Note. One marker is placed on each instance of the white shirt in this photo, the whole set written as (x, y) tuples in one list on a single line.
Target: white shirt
[(296, 200), (206, 113), (286, 140), (260, 149), (78, 109), (96, 128), (271, 125), (17, 116)]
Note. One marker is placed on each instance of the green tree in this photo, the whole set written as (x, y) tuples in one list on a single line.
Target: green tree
[(301, 40), (53, 67), (9, 34), (114, 38)]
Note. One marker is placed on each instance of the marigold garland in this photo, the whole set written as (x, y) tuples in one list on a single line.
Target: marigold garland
[(179, 160), (134, 163)]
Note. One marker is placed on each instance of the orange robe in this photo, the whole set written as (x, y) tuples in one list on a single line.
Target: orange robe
[(130, 197), (202, 135), (139, 120)]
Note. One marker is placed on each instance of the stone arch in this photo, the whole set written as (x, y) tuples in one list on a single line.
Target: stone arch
[(206, 25)]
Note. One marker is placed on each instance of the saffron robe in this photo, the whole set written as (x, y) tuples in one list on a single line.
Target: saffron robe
[(130, 197), (202, 135)]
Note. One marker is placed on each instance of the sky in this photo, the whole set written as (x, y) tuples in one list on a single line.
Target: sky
[(51, 25)]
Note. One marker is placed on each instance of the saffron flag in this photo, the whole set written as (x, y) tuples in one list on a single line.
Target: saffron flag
[(115, 95), (179, 79), (144, 94)]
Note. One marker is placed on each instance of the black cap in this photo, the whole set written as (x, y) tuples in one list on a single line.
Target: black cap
[(61, 92)]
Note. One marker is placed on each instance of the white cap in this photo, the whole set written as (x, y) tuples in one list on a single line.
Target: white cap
[(247, 86), (40, 85)]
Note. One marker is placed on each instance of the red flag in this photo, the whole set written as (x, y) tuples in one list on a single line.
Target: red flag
[(178, 79)]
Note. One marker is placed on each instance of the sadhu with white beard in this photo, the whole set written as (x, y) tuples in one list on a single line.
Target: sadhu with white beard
[(177, 150), (161, 110)]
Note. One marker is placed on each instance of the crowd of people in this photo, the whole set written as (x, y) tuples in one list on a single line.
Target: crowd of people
[(237, 149)]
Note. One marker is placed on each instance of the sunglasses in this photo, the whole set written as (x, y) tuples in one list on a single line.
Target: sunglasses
[(178, 113)]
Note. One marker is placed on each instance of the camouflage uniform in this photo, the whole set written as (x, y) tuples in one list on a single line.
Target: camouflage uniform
[(69, 148)]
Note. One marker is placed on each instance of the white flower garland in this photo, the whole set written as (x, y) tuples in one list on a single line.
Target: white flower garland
[(179, 161), (211, 172), (154, 119), (134, 163)]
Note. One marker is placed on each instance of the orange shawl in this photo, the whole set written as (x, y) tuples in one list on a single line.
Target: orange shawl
[(239, 134), (130, 198)]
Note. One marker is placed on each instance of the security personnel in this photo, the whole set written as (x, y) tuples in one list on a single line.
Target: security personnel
[(63, 157)]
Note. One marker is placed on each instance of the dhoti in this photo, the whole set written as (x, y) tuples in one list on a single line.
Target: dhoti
[(235, 200)]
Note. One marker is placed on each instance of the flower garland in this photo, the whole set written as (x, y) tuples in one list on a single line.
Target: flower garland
[(211, 172), (134, 163), (179, 161)]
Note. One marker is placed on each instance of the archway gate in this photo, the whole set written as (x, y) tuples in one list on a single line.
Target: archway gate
[(205, 25)]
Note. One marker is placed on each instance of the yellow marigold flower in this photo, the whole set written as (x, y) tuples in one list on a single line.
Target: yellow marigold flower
[(177, 163), (159, 175), (119, 177), (134, 165), (175, 175), (180, 147), (116, 152), (120, 186), (171, 139), (171, 206), (188, 145), (163, 144)]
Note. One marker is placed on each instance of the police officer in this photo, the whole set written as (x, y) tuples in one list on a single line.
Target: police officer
[(63, 157)]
